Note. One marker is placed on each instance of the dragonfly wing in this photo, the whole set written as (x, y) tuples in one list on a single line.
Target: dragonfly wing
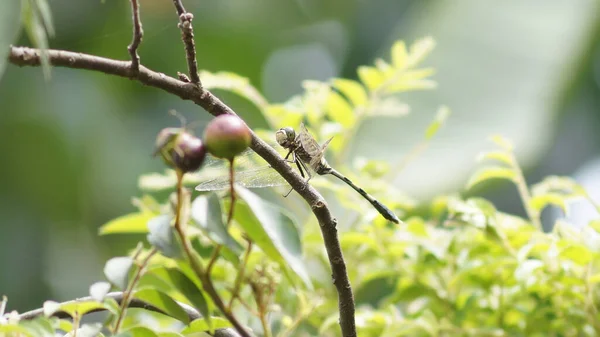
[(255, 178), (308, 143)]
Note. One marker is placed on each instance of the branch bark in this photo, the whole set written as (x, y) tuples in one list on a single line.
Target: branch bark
[(24, 56), (138, 33), (187, 36)]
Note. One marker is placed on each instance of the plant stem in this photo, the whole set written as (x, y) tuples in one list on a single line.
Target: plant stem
[(240, 276), (215, 254), (533, 215), (129, 291), (197, 267)]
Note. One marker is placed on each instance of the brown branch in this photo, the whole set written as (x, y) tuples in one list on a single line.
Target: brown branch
[(187, 36), (138, 33), (24, 56), (192, 313)]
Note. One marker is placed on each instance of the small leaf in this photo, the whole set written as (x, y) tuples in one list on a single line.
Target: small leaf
[(35, 26), (187, 287), (137, 331), (206, 211), (594, 279), (352, 90), (273, 230), (376, 287), (399, 55), (199, 325), (117, 270), (81, 308), (162, 237), (234, 83), (10, 25), (419, 50), (539, 202), (65, 325), (87, 330), (578, 254), (112, 306), (130, 223), (98, 290), (163, 302), (371, 77), (339, 110), (502, 142), (500, 156), (39, 327), (595, 225), (440, 117), (565, 186), (488, 173), (50, 307)]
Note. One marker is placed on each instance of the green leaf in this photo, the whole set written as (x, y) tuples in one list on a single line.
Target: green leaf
[(504, 143), (199, 325), (162, 237), (137, 331), (81, 308), (38, 25), (117, 270), (98, 290), (130, 223), (39, 327), (15, 330), (112, 306), (273, 230), (339, 110), (169, 334), (163, 302), (439, 120), (399, 55), (419, 50), (488, 173), (187, 287), (376, 287), (578, 254), (500, 156), (565, 186), (10, 25), (234, 83), (371, 77), (539, 202), (206, 211), (352, 90)]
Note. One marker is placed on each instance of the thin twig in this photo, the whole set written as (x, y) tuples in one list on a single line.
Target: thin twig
[(217, 250), (24, 56), (187, 36), (138, 33), (129, 291), (240, 276), (192, 313), (197, 267)]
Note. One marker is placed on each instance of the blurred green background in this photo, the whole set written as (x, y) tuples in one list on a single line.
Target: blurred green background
[(72, 148)]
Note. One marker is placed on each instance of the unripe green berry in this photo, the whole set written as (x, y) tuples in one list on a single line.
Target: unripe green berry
[(226, 136)]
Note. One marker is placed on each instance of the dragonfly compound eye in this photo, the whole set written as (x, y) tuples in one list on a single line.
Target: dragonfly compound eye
[(285, 136)]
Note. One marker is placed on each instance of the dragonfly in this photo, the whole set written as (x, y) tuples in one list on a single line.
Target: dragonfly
[(308, 156)]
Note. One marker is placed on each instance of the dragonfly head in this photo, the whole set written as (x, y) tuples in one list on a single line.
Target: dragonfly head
[(285, 137)]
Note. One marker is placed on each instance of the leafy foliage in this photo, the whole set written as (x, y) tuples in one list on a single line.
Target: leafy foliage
[(462, 269)]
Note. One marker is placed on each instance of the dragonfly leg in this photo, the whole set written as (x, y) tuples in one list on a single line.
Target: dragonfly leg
[(302, 168)]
